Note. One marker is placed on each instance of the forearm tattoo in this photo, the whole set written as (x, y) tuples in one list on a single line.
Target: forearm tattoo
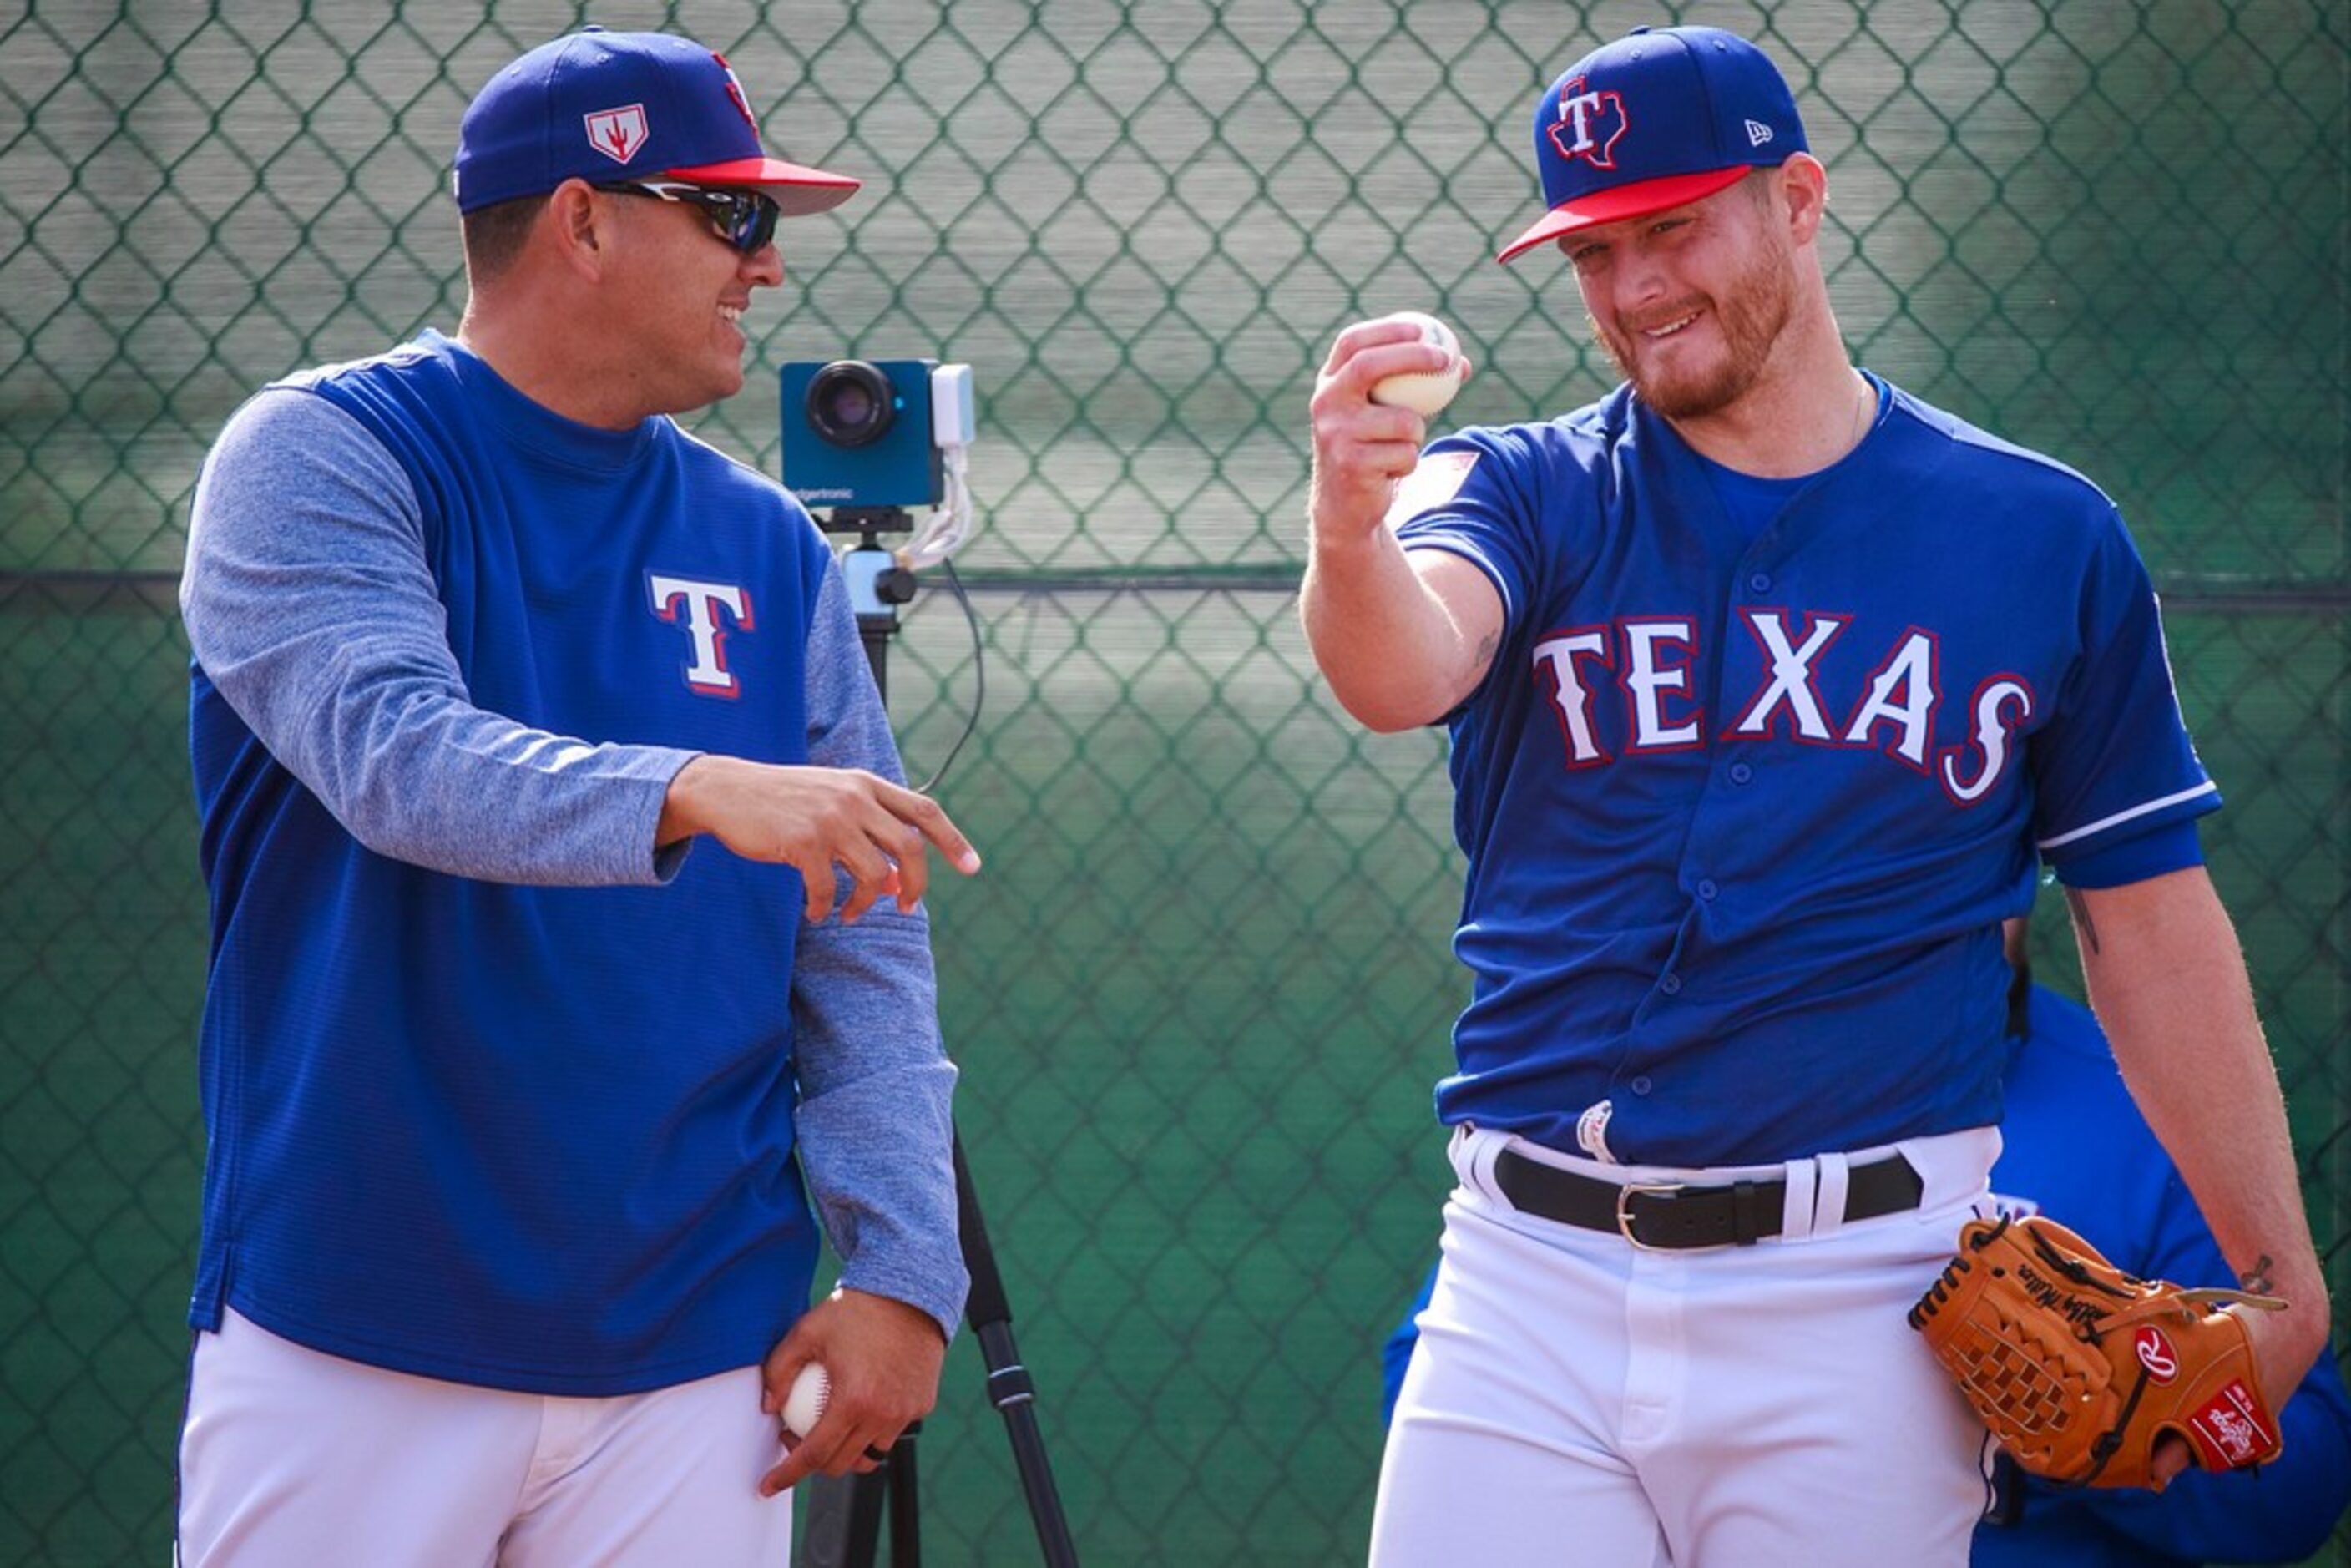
[(2081, 921), (2257, 1277)]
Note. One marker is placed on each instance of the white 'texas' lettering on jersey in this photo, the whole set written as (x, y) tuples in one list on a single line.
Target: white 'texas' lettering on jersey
[(699, 606), (1571, 699), (1792, 674), (1648, 682), (1990, 742), (1901, 693), (1655, 659)]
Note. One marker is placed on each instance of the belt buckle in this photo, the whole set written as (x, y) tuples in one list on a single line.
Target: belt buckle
[(1624, 1215)]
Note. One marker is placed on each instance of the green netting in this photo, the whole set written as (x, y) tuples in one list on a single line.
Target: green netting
[(1203, 988)]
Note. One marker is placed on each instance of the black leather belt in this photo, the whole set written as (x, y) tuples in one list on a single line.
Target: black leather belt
[(1675, 1217)]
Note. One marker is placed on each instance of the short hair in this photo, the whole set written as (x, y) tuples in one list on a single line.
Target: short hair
[(493, 237)]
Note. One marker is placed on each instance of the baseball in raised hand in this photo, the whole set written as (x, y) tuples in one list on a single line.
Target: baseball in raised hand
[(1425, 392)]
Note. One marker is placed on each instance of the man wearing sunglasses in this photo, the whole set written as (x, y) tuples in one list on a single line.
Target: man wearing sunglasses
[(520, 1105)]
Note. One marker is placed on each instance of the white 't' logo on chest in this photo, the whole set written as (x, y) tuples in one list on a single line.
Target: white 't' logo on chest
[(705, 609)]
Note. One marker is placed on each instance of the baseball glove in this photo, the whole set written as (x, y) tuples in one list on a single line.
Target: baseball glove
[(2078, 1368)]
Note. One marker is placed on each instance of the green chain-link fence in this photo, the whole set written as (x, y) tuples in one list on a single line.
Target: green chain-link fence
[(1203, 988)]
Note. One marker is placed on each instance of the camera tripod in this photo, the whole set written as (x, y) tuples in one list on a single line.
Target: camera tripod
[(844, 1516)]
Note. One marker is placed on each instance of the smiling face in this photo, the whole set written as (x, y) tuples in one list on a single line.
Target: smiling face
[(1691, 302), (682, 292)]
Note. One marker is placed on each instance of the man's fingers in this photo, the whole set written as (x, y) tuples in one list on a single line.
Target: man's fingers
[(909, 875), (837, 1453), (930, 819), (1368, 369), (798, 1463), (889, 865), (1362, 335), (1394, 459), (863, 892), (822, 887)]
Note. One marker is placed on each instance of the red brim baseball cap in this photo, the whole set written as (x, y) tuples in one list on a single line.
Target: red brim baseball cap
[(1636, 201), (605, 107), (796, 191), (1655, 121)]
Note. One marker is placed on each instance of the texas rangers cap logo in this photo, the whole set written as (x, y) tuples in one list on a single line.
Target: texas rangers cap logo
[(1590, 124), (735, 91), (618, 134)]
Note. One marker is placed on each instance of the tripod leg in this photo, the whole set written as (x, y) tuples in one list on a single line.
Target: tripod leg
[(866, 1494), (1009, 1388), (825, 1504), (905, 1505)]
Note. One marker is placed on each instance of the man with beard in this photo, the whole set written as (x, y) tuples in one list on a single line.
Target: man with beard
[(1770, 687)]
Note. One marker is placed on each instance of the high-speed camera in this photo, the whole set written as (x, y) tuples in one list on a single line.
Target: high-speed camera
[(870, 433)]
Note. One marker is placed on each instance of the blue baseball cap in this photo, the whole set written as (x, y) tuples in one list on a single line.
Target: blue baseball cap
[(1662, 117), (605, 107)]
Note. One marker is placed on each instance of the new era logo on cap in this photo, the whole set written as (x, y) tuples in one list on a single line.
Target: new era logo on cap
[(1654, 121)]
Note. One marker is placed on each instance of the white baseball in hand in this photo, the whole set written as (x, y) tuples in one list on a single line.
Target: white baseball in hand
[(1425, 392), (804, 1405)]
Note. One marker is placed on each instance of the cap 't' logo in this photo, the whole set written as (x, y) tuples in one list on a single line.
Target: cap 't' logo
[(1590, 124), (735, 91), (618, 134)]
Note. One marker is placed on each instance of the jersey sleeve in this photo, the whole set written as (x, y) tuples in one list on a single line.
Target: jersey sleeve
[(2115, 759), (311, 609), (2134, 857), (873, 1125), (1471, 495)]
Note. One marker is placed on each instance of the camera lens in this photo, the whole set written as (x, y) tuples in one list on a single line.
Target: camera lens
[(851, 402)]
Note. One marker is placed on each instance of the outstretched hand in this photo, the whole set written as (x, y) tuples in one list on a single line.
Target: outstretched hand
[(882, 1357), (815, 819)]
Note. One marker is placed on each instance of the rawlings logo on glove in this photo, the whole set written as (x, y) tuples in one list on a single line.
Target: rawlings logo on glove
[(2078, 1368)]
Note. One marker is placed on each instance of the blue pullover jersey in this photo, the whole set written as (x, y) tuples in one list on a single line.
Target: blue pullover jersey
[(494, 1094)]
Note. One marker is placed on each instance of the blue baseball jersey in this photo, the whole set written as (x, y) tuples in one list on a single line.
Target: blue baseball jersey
[(1744, 807), (2077, 1150), (493, 1092)]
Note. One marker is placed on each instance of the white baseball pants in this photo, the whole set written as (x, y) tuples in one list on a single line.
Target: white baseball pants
[(1574, 1399), (292, 1458)]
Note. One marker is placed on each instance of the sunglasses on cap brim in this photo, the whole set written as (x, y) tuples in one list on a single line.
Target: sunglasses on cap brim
[(744, 219)]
